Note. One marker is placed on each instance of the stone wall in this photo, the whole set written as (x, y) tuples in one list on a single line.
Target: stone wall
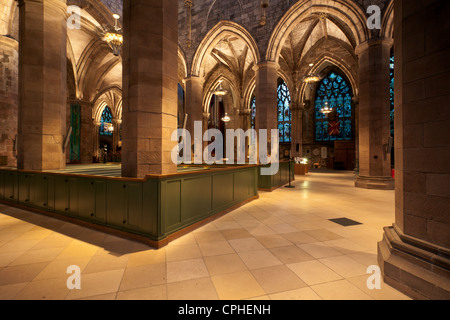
[(9, 59)]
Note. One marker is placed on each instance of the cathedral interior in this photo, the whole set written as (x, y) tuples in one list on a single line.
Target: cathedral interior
[(95, 93)]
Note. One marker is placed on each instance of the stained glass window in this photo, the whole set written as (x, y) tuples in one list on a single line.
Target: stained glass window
[(392, 94), (284, 112), (253, 112), (337, 125), (106, 122)]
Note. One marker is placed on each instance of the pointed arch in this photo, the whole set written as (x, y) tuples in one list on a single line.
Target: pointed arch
[(213, 37), (347, 14)]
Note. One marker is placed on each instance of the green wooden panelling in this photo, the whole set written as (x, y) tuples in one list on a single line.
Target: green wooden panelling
[(223, 189), (154, 208), (171, 205)]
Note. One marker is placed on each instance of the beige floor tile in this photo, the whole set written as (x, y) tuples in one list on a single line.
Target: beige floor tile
[(298, 294), (259, 259), (277, 279), (346, 246), (10, 291), (273, 241), (236, 286), (143, 276), (107, 296), (18, 245), (99, 283), (226, 225), (149, 293), (58, 268), (36, 256), (186, 270), (323, 234), (299, 237), (215, 248), (178, 253), (208, 236), (77, 251), (21, 273), (48, 289), (344, 266), (319, 250), (246, 244), (100, 263), (237, 233), (260, 230), (291, 254), (313, 272), (283, 228), (196, 289), (228, 263), (142, 258), (340, 290), (8, 257), (186, 240)]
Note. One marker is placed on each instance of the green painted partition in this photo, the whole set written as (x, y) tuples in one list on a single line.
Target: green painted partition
[(154, 207), (271, 182)]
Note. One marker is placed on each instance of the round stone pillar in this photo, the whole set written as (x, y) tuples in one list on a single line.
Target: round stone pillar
[(374, 115), (42, 84)]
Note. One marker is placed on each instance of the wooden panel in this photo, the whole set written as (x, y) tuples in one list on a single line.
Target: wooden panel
[(134, 205), (222, 189), (116, 208), (171, 206), (196, 197)]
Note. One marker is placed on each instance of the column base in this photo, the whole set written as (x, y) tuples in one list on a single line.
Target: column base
[(419, 269), (379, 183)]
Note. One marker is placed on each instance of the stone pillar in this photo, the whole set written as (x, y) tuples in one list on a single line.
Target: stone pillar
[(150, 85), (266, 96), (205, 119), (194, 105), (9, 99), (116, 134), (374, 115), (297, 130), (87, 131), (356, 108), (42, 84), (96, 140), (414, 255)]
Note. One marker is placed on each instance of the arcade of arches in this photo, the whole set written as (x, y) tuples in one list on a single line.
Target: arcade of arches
[(124, 108)]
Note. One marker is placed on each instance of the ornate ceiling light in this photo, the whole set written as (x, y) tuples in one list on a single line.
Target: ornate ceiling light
[(326, 108), (226, 118), (219, 90), (114, 38)]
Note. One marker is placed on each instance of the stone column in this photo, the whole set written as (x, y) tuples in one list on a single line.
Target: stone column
[(194, 105), (42, 84), (150, 85), (96, 140), (415, 252), (356, 108), (116, 134), (266, 96), (87, 131), (374, 118), (9, 99), (297, 130)]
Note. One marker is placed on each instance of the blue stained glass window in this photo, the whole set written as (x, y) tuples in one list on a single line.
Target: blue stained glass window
[(106, 121), (335, 90), (253, 112), (392, 95), (284, 112)]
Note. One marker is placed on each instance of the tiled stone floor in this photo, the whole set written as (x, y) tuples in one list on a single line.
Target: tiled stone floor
[(281, 246)]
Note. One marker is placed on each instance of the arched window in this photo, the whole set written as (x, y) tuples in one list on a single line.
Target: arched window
[(106, 122), (392, 94), (253, 112), (337, 125), (284, 112)]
